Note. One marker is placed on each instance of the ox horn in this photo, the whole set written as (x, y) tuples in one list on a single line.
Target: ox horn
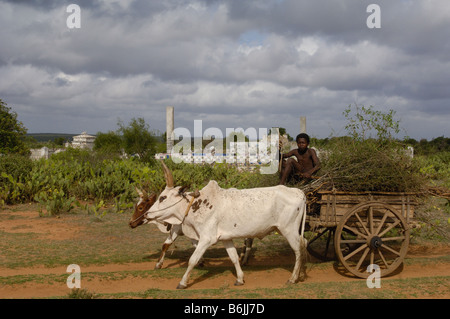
[(167, 175), (142, 193)]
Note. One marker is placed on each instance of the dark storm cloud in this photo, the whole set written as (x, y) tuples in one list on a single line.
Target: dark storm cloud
[(247, 63), (294, 18)]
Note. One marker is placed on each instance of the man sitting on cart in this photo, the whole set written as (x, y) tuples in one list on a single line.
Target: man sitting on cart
[(305, 163)]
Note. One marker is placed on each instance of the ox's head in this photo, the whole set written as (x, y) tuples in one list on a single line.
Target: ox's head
[(170, 205), (145, 202)]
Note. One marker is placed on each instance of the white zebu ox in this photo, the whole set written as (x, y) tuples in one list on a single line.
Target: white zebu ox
[(174, 231), (225, 214)]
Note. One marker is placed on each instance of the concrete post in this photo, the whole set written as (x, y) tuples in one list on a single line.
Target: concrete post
[(302, 124), (169, 128)]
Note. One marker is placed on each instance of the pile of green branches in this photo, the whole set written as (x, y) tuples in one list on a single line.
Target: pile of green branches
[(369, 165), (369, 158)]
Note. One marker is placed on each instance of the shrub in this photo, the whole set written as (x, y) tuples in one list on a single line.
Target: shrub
[(55, 201), (15, 165)]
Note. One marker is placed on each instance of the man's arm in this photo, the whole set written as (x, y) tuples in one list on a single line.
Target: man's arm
[(288, 154)]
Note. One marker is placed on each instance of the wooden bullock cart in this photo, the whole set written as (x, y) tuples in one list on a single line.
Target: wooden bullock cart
[(360, 229)]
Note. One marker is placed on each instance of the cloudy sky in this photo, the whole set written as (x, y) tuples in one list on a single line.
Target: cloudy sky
[(231, 63)]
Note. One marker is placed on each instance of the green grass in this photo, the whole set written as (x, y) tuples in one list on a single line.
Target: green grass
[(107, 240)]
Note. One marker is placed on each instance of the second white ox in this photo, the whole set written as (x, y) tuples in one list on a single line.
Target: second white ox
[(218, 214)]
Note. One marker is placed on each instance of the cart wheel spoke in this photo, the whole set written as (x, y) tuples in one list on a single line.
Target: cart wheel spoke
[(358, 265), (391, 250), (362, 224), (371, 219), (393, 238), (389, 228), (355, 231), (353, 241), (353, 253), (383, 220), (383, 259), (372, 256)]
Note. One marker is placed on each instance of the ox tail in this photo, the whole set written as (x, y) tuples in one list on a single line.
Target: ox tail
[(303, 258), (303, 248)]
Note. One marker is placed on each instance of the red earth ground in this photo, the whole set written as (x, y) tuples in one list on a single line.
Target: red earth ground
[(271, 278)]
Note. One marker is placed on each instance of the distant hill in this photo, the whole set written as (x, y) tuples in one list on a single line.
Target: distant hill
[(48, 137)]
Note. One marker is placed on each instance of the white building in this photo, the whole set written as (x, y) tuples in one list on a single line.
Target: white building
[(44, 152), (83, 141)]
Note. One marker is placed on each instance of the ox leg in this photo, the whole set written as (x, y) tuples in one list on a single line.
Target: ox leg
[(232, 253), (196, 256), (294, 239), (248, 242), (173, 235), (201, 262), (160, 262)]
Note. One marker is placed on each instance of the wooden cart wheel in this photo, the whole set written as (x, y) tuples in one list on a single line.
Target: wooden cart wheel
[(320, 247), (377, 235)]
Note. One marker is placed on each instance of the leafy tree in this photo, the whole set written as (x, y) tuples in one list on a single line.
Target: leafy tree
[(110, 143), (364, 120), (59, 141), (137, 139), (12, 132)]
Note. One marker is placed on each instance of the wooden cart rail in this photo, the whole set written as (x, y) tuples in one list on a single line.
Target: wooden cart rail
[(335, 204)]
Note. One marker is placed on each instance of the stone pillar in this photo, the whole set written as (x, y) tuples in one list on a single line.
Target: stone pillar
[(302, 124), (169, 128)]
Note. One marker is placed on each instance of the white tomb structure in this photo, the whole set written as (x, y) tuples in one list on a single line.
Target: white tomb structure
[(83, 141)]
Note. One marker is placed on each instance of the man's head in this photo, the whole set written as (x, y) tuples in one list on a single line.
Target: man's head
[(302, 140)]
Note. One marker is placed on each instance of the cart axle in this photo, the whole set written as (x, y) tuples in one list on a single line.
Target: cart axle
[(375, 242)]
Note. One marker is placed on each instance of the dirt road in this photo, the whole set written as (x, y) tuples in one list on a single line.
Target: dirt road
[(274, 276)]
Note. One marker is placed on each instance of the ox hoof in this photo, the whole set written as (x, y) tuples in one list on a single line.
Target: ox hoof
[(290, 282), (158, 266), (238, 283), (180, 286), (302, 277)]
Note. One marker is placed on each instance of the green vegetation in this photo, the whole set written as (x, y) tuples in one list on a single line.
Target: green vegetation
[(369, 159), (12, 132), (82, 175)]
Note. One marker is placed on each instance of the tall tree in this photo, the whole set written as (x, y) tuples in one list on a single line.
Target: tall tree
[(12, 132), (137, 138), (110, 143)]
